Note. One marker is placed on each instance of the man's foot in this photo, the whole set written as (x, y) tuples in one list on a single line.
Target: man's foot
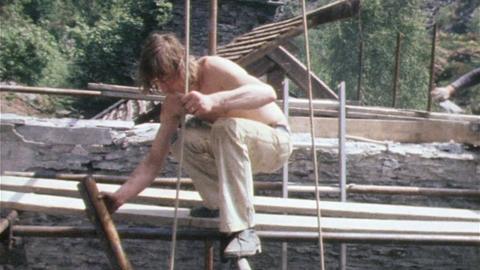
[(244, 243), (204, 212)]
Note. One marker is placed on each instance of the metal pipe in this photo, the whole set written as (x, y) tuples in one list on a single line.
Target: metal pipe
[(342, 162), (432, 67), (396, 73), (286, 94)]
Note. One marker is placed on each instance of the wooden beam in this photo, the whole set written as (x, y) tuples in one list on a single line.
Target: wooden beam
[(99, 216), (260, 67), (157, 215), (332, 12), (421, 131), (297, 72), (328, 104), (166, 197)]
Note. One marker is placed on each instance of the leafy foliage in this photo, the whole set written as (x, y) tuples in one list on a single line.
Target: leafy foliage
[(335, 53), (68, 43)]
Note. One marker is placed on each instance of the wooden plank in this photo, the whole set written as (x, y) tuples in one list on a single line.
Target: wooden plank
[(328, 104), (273, 185), (156, 196), (329, 13), (421, 131), (157, 215), (241, 48), (298, 73), (251, 40)]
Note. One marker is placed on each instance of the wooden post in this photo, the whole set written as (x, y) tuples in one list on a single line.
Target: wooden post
[(98, 214), (212, 33), (6, 229), (208, 255), (432, 67), (396, 73)]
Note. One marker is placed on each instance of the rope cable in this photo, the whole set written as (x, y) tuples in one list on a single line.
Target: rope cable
[(182, 137), (312, 134)]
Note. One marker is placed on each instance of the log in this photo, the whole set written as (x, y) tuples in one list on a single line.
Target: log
[(105, 228)]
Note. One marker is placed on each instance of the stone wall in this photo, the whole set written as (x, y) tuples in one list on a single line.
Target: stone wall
[(114, 147)]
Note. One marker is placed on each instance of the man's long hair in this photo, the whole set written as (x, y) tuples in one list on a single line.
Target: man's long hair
[(163, 57)]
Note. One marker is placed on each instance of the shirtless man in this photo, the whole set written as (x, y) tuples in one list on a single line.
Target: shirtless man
[(236, 131)]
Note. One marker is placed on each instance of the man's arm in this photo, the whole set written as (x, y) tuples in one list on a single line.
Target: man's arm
[(467, 80), (150, 166), (240, 90)]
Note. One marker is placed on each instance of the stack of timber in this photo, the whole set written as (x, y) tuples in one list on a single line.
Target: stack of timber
[(346, 220)]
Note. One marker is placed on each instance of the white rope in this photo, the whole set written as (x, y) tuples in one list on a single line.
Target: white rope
[(182, 137), (312, 134)]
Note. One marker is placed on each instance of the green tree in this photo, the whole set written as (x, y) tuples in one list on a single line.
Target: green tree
[(334, 49)]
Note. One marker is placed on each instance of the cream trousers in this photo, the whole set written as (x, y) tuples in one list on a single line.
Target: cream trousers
[(221, 159)]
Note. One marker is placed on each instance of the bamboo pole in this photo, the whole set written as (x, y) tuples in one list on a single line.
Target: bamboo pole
[(149, 233), (113, 87), (78, 92)]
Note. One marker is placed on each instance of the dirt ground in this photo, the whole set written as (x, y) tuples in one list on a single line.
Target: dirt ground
[(21, 104)]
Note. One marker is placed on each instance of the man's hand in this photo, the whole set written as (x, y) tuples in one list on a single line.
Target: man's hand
[(442, 93), (197, 103), (172, 108), (111, 201)]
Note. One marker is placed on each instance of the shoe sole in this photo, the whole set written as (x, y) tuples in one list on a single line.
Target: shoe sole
[(258, 250)]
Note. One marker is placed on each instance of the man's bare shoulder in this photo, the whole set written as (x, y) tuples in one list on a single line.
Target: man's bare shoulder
[(219, 64)]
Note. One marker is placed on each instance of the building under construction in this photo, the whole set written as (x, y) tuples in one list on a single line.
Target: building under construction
[(398, 188)]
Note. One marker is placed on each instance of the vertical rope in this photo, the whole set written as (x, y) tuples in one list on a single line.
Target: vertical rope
[(182, 137), (312, 133)]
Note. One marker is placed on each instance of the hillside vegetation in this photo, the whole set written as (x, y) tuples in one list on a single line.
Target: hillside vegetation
[(67, 43)]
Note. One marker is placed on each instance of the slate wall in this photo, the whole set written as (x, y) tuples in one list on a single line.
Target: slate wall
[(113, 147)]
